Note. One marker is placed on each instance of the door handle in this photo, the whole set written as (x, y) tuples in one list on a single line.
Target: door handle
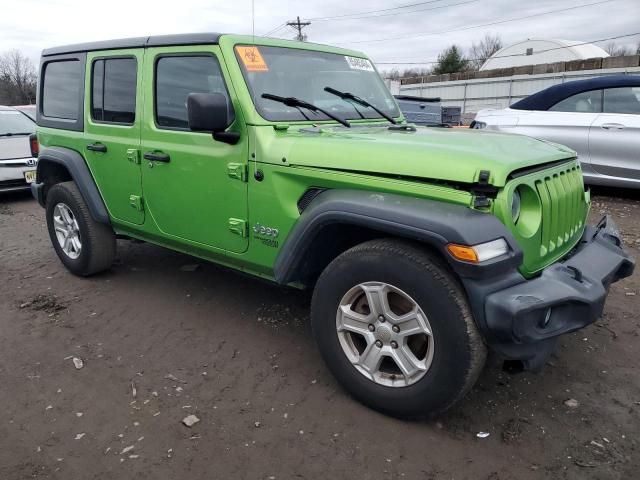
[(612, 126), (97, 147), (157, 157)]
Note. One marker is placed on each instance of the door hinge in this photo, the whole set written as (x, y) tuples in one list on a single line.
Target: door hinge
[(133, 155), (237, 171), (136, 202), (238, 226)]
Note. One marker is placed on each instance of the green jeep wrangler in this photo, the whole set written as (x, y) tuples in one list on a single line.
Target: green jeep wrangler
[(425, 247)]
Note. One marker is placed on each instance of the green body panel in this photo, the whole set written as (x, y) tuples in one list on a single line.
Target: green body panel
[(121, 160), (207, 200)]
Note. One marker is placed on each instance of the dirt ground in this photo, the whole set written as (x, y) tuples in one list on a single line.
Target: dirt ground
[(237, 352)]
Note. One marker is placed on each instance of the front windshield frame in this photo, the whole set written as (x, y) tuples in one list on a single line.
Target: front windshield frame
[(22, 125), (276, 112)]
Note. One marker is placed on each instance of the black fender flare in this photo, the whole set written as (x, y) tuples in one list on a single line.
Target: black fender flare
[(433, 222), (79, 171)]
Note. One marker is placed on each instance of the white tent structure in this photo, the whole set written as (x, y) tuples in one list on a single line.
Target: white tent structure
[(536, 51)]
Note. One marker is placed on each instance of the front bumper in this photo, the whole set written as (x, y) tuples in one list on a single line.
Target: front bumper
[(522, 321), (12, 174)]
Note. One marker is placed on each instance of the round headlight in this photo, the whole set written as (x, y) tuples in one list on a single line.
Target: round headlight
[(516, 203)]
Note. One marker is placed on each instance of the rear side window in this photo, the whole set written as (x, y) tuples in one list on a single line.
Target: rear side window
[(113, 90), (622, 100), (585, 102), (62, 89), (176, 78)]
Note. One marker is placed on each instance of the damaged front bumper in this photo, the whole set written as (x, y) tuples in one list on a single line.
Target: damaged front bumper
[(523, 321)]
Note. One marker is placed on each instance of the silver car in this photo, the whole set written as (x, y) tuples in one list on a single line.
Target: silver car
[(599, 118), (17, 163)]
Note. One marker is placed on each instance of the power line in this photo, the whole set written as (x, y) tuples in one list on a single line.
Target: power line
[(318, 19), (404, 13), (426, 34), (359, 14), (274, 30), (298, 25), (516, 54)]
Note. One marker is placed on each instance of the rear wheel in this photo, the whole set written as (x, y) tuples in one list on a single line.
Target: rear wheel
[(83, 245), (394, 327)]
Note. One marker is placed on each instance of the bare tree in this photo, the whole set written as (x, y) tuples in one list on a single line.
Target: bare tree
[(479, 52), (17, 79), (615, 50)]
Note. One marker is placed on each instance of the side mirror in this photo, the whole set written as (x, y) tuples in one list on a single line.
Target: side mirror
[(209, 112)]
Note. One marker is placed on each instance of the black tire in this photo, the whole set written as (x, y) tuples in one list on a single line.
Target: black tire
[(98, 240), (459, 352)]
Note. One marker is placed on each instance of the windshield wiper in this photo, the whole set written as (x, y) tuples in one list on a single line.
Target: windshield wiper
[(296, 102), (359, 101), (11, 134)]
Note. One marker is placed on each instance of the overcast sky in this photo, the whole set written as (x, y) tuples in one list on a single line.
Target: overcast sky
[(426, 28)]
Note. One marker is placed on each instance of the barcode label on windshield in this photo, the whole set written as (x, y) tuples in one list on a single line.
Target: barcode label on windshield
[(356, 63)]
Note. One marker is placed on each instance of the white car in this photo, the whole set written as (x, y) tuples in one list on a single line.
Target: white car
[(599, 118), (17, 150)]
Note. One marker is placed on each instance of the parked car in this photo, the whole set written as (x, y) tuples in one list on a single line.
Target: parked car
[(28, 110), (292, 162), (17, 160), (599, 118)]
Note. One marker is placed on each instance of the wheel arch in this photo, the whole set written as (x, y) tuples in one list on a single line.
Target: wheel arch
[(336, 220), (60, 164)]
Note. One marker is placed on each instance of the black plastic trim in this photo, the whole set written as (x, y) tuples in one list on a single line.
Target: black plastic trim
[(429, 221), (77, 168), (511, 311), (137, 42)]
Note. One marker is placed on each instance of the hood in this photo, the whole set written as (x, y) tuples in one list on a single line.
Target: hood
[(14, 147), (449, 154)]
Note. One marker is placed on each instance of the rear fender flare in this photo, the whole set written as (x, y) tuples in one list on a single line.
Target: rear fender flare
[(75, 164)]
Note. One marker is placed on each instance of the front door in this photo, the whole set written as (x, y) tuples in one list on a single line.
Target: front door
[(614, 138), (112, 126), (194, 187)]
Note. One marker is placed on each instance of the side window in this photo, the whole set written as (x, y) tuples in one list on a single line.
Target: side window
[(61, 89), (113, 90), (176, 78), (622, 100), (585, 102)]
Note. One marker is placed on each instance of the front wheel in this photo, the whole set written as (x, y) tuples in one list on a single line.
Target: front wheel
[(395, 329)]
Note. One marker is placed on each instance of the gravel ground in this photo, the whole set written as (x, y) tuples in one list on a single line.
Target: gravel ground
[(163, 336)]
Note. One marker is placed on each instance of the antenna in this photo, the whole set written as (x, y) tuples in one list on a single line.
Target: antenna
[(298, 25), (253, 19)]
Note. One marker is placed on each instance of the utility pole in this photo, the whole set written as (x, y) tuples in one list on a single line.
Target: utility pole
[(298, 25)]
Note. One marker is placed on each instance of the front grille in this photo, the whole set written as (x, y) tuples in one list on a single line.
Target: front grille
[(563, 206)]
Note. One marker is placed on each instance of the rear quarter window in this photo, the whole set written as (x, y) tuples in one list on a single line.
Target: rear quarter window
[(61, 89), (61, 92)]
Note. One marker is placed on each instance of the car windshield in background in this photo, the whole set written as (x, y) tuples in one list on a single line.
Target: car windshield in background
[(304, 74), (13, 122)]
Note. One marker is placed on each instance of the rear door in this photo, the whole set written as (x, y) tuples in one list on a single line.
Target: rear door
[(614, 139), (195, 187), (112, 130)]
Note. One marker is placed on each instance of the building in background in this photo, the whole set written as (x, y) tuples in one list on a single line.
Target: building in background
[(536, 51)]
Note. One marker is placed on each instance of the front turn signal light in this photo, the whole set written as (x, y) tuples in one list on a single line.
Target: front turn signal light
[(479, 253)]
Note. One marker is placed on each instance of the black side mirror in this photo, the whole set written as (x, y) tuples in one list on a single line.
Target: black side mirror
[(210, 112)]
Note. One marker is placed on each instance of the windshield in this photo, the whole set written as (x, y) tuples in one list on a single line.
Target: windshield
[(304, 74), (13, 122)]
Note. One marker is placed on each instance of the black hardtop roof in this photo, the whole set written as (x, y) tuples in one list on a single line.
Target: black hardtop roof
[(547, 98), (137, 42)]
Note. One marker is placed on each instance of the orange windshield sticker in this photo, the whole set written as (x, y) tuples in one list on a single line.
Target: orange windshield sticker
[(252, 59)]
